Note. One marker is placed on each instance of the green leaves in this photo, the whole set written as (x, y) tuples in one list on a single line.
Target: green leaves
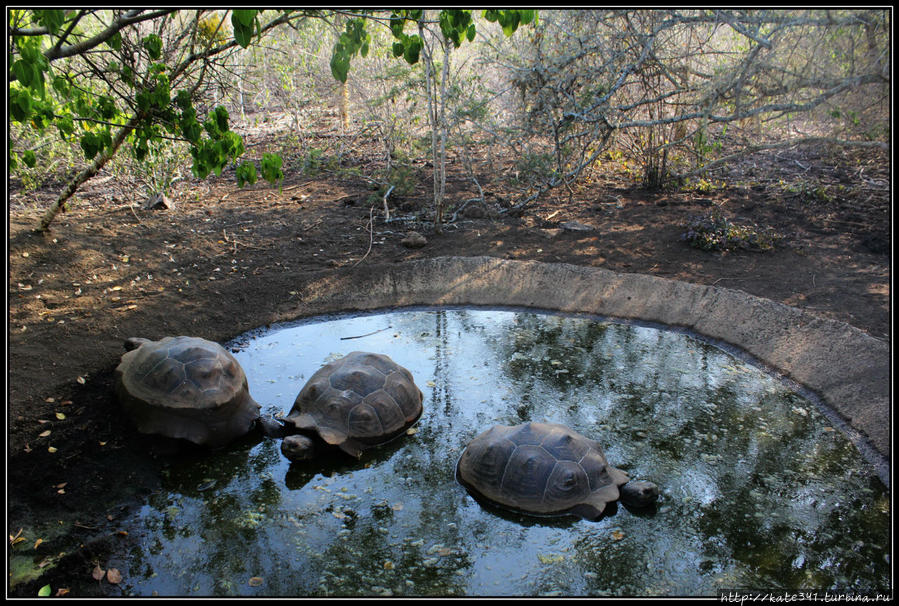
[(222, 146), (131, 80), (397, 24), (246, 173), (153, 45), (271, 168), (51, 19), (217, 123), (354, 40), (106, 107), (456, 23), (61, 86), (24, 72), (245, 26), (94, 142), (340, 64), (30, 67), (41, 113), (115, 41), (409, 47), (19, 104), (66, 126), (510, 19)]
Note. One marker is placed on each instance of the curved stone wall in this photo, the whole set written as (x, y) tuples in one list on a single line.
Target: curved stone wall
[(846, 368)]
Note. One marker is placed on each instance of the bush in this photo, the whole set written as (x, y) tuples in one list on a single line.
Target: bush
[(713, 231)]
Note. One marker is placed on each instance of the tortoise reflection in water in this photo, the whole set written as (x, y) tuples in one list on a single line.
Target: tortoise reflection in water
[(546, 469)]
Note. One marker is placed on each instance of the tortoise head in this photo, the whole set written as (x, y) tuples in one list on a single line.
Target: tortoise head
[(639, 493), (298, 447)]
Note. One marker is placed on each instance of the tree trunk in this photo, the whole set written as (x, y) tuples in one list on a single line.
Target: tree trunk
[(345, 106), (437, 119), (430, 89), (98, 163), (443, 128)]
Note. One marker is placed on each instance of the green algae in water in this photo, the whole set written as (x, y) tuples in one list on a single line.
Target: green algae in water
[(759, 491)]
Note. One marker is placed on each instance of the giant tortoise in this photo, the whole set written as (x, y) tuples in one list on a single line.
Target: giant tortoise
[(357, 402), (185, 387), (546, 469)]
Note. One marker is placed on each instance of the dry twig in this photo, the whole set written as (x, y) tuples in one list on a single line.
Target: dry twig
[(371, 237)]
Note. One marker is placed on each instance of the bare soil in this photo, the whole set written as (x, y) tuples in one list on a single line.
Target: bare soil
[(224, 258)]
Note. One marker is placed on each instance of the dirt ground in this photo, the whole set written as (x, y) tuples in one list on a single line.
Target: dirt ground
[(221, 261)]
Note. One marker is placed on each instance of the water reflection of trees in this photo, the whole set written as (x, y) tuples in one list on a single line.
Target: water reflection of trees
[(403, 539), (690, 416), (799, 514), (210, 517)]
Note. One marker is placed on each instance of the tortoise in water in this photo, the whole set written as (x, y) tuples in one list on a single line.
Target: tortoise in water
[(546, 469), (185, 387), (355, 403)]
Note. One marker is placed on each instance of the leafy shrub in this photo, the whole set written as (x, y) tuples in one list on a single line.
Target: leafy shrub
[(535, 166), (164, 163), (403, 177), (713, 231)]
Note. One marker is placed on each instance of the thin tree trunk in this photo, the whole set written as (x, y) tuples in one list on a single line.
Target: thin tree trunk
[(430, 89), (243, 110), (79, 179), (443, 128), (345, 106)]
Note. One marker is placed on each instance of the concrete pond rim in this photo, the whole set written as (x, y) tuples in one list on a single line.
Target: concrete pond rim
[(840, 368)]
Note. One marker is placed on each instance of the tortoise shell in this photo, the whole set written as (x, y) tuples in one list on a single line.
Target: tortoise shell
[(543, 469), (357, 402), (185, 387)]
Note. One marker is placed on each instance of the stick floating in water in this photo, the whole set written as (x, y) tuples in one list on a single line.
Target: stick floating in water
[(366, 334)]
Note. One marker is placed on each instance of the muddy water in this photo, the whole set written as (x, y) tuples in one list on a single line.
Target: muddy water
[(759, 491)]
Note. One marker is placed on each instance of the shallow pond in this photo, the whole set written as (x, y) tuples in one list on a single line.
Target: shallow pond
[(759, 492)]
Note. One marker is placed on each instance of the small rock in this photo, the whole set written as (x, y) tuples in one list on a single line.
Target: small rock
[(414, 239), (576, 226), (158, 202), (550, 233)]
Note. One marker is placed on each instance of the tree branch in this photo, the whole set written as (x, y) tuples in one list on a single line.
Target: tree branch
[(87, 173), (57, 52)]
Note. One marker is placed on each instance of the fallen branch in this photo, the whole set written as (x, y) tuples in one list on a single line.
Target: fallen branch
[(374, 332), (463, 205), (371, 237), (131, 206), (236, 243)]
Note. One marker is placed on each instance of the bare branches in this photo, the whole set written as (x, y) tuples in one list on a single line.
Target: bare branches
[(731, 21), (665, 84)]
